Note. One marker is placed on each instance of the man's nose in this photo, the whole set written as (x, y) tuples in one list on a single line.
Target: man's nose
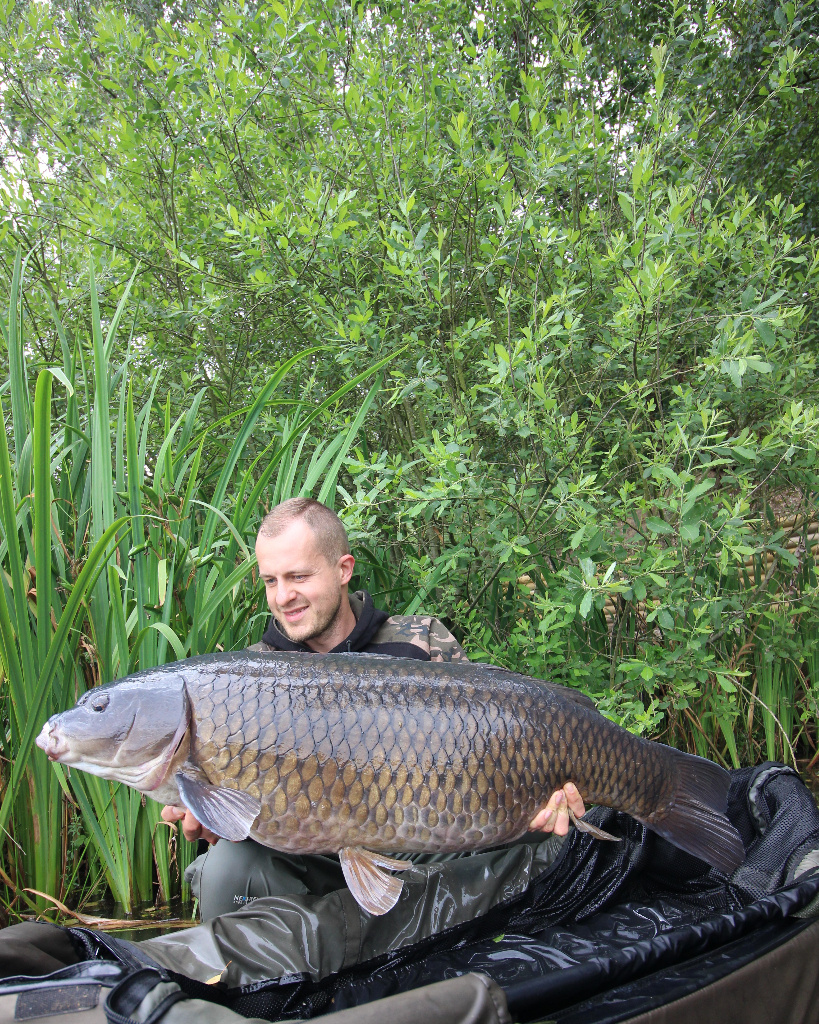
[(284, 594)]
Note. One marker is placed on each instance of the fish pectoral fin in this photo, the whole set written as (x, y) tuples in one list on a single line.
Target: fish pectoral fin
[(228, 813), (374, 890), (586, 826)]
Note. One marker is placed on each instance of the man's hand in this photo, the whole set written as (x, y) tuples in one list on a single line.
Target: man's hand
[(191, 828), (555, 815)]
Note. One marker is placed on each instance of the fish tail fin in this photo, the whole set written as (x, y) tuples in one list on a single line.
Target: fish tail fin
[(695, 820)]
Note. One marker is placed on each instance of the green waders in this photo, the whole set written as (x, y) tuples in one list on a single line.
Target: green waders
[(232, 875), (320, 931)]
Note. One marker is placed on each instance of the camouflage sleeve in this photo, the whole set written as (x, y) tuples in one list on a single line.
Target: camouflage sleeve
[(429, 635), (442, 644), (261, 648)]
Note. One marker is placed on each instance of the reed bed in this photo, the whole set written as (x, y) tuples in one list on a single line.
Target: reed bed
[(119, 553)]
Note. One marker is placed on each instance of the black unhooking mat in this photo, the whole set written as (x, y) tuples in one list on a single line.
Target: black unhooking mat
[(608, 932)]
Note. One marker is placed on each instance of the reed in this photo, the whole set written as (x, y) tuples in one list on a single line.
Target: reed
[(118, 554)]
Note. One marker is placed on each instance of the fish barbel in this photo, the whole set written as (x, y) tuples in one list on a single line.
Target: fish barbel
[(367, 755)]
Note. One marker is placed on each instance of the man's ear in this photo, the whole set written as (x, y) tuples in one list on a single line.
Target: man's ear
[(345, 565)]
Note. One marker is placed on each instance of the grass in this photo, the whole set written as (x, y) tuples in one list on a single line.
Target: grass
[(117, 553)]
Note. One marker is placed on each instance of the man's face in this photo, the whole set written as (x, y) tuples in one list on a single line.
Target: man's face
[(304, 590)]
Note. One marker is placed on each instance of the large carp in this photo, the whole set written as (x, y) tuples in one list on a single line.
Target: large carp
[(362, 755)]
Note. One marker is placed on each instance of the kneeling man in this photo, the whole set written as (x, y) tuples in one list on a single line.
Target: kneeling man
[(304, 559)]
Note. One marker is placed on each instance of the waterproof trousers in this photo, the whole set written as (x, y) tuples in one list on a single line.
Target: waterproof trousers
[(229, 876)]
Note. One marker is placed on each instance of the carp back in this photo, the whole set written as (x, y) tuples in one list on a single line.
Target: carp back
[(131, 731)]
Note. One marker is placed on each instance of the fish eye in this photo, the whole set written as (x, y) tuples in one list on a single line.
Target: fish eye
[(99, 702)]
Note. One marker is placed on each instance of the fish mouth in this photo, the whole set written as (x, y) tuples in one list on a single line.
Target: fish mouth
[(52, 742)]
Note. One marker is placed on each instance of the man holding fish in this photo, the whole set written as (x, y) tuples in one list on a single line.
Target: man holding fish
[(305, 562), (368, 758)]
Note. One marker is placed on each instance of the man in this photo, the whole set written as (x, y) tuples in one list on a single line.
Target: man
[(305, 562)]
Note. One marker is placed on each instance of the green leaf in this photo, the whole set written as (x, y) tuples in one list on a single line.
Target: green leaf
[(577, 538), (56, 372), (665, 619), (171, 637), (765, 332), (586, 603), (626, 205), (587, 567), (690, 531)]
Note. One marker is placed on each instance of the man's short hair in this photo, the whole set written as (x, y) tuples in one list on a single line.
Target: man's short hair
[(326, 525)]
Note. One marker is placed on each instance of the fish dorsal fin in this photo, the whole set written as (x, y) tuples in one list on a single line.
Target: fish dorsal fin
[(228, 813), (374, 890)]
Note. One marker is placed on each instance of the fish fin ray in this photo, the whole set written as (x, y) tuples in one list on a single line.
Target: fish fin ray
[(695, 819), (228, 813), (586, 826), (373, 889), (393, 863)]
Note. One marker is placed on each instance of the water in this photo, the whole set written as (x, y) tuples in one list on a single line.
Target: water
[(146, 921)]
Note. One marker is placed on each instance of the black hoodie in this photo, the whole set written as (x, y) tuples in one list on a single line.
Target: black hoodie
[(401, 636)]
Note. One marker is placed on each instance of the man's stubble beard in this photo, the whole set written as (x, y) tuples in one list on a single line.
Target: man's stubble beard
[(324, 625)]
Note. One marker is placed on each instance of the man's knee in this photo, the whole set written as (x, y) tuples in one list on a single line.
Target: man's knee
[(232, 875)]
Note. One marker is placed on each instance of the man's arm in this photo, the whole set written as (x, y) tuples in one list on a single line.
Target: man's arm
[(442, 644)]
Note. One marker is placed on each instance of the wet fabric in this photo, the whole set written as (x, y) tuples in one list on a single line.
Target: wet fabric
[(230, 876), (317, 936), (600, 915), (771, 976)]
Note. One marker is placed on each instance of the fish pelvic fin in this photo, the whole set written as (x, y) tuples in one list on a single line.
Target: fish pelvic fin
[(373, 889), (695, 820), (228, 813)]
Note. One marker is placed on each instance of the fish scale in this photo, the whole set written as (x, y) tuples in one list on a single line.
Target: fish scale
[(367, 755), (424, 772)]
